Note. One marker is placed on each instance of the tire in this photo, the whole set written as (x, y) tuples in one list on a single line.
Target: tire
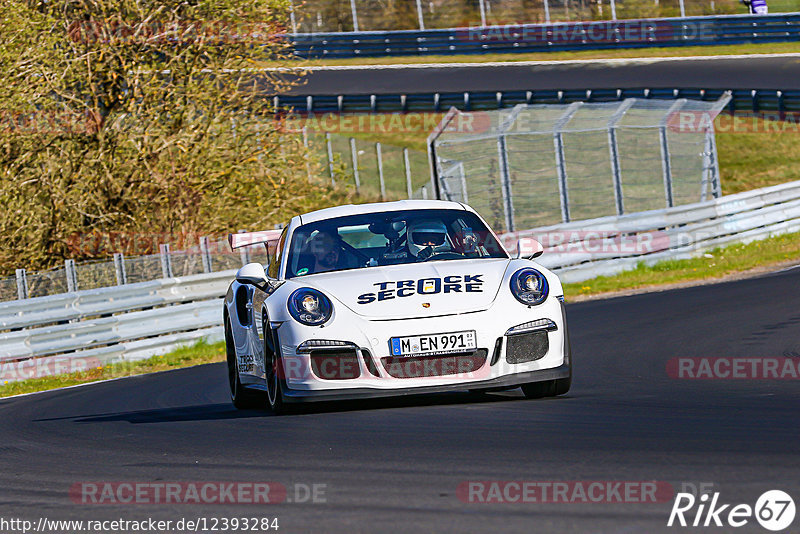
[(241, 397), (272, 368), (538, 390), (548, 388)]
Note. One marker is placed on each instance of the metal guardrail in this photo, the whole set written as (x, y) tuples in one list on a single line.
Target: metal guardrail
[(688, 31), (605, 246), (743, 100), (85, 329), (135, 321)]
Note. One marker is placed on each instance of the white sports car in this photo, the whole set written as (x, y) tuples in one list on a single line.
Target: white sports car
[(394, 298)]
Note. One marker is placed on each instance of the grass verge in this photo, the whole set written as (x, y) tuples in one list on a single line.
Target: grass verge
[(717, 264), (612, 53), (188, 356)]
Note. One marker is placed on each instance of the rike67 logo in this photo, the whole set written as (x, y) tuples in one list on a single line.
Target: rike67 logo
[(774, 510)]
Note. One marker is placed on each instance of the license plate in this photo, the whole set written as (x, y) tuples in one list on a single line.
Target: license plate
[(434, 344)]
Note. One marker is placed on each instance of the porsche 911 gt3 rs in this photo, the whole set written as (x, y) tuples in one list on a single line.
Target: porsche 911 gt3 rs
[(392, 298)]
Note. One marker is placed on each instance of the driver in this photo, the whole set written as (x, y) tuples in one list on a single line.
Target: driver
[(325, 250), (426, 236)]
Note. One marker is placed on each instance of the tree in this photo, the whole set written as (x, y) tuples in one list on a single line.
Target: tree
[(141, 117)]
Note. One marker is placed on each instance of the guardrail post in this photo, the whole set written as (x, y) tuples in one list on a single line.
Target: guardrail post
[(166, 264), (505, 183), (330, 156), (205, 254), (407, 165), (379, 157), (119, 269), (22, 284), (72, 276), (354, 159)]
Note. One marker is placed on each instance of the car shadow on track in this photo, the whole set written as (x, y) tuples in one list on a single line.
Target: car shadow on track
[(205, 412), (223, 411)]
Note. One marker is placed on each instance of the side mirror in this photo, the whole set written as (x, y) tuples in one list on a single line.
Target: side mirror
[(528, 248), (252, 274)]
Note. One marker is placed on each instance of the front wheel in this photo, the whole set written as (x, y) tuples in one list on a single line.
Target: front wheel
[(273, 370), (241, 397)]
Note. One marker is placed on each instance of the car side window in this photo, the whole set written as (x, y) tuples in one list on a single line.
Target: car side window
[(275, 258)]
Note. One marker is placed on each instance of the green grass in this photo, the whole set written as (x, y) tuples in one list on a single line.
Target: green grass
[(196, 354), (613, 53), (715, 264)]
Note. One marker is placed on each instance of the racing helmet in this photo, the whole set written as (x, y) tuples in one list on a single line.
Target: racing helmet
[(424, 234)]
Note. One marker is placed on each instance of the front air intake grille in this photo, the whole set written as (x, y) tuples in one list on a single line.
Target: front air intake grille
[(437, 365), (369, 362), (335, 364), (523, 348)]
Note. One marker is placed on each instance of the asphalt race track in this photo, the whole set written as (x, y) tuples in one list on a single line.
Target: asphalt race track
[(395, 465), (740, 72)]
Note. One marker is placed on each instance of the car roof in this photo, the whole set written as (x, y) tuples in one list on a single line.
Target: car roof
[(379, 207)]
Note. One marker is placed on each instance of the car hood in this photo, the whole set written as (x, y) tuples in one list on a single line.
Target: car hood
[(414, 290)]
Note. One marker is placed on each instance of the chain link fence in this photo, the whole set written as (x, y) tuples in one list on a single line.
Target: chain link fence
[(207, 256), (377, 170), (536, 165), (315, 16)]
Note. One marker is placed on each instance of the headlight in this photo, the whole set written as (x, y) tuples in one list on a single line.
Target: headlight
[(310, 307), (529, 286)]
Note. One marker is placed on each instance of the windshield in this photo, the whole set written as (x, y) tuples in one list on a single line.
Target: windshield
[(389, 238)]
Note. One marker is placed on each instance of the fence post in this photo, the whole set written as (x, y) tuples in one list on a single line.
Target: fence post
[(666, 161), (355, 14), (166, 264), (482, 4), (716, 183), (613, 10), (22, 284), (505, 183), (683, 9), (613, 150), (379, 156), (354, 159), (305, 144), (561, 166), (463, 177), (330, 156), (205, 254), (72, 276), (291, 17), (119, 269), (419, 15), (546, 12), (407, 165)]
